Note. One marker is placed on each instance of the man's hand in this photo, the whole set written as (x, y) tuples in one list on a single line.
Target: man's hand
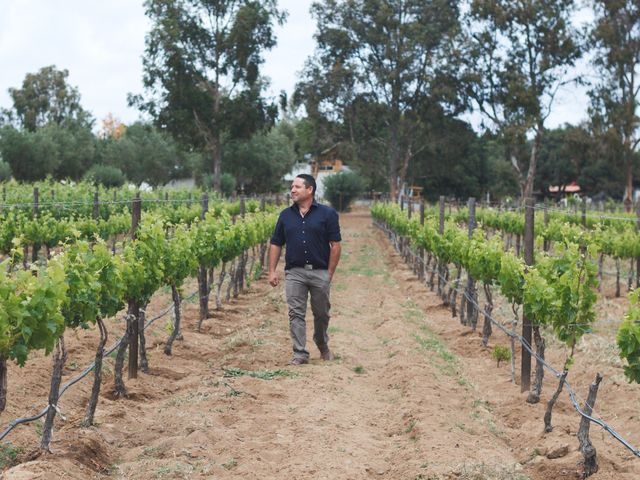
[(274, 256)]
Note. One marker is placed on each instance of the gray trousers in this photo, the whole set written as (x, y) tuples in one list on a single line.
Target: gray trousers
[(299, 283)]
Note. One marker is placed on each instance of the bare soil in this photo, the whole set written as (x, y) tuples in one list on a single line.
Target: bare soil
[(411, 395)]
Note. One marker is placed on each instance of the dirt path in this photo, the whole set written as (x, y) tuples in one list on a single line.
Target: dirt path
[(397, 403)]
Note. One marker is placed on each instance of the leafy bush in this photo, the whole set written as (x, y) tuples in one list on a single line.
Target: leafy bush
[(105, 175), (5, 171), (227, 183), (501, 354), (342, 188)]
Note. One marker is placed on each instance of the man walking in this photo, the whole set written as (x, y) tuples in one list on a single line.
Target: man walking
[(312, 234)]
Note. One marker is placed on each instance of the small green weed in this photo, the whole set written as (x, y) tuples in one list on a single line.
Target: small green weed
[(8, 455), (359, 369), (501, 353), (260, 374), (181, 469), (232, 463)]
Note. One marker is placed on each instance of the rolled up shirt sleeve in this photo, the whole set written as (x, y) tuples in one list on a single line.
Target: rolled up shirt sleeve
[(333, 227), (278, 237)]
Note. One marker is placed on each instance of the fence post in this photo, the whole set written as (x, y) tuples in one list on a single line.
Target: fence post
[(547, 242), (203, 287), (96, 205), (638, 259), (471, 293), (584, 211), (36, 195), (525, 366), (441, 217), (421, 271), (134, 331)]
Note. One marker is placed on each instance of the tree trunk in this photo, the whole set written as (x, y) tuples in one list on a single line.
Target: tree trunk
[(590, 463), (252, 265), (35, 250), (232, 277), (552, 401), (394, 155), (119, 389), (144, 363), (488, 309), (454, 297), (3, 383), (533, 161), (97, 375), (628, 181), (630, 276), (59, 359), (210, 283), (203, 295), (514, 325), (600, 271), (536, 387), (177, 301), (223, 274), (445, 294), (472, 310)]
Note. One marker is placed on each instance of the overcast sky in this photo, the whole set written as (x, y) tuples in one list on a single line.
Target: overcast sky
[(101, 43)]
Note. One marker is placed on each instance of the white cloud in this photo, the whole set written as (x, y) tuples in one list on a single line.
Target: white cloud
[(101, 43)]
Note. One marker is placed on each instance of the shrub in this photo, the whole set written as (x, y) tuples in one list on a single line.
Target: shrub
[(5, 171), (105, 175), (342, 188), (227, 183), (501, 354)]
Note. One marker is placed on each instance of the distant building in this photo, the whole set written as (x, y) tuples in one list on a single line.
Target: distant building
[(569, 189), (181, 183), (327, 163)]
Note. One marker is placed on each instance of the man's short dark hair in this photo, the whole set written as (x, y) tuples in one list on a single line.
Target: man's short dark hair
[(309, 181)]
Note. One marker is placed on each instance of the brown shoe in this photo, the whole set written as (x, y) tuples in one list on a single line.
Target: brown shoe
[(326, 354), (298, 361)]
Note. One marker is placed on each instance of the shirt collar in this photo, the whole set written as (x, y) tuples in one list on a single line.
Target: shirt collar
[(297, 208)]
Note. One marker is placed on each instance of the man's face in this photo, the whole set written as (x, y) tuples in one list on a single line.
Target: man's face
[(300, 192)]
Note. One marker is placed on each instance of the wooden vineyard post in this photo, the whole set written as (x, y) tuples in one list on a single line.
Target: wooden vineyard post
[(471, 293), (584, 212), (441, 215), (637, 259), (525, 366), (243, 255), (203, 288), (421, 271), (132, 318), (96, 205), (36, 211), (36, 203), (546, 245), (438, 266)]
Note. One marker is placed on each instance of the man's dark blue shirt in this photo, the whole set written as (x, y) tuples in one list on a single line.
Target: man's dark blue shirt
[(307, 238)]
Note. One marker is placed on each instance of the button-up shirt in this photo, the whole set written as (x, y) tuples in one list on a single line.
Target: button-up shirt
[(307, 238)]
